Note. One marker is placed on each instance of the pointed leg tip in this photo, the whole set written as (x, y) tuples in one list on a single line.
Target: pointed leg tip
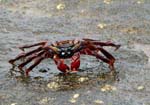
[(117, 47), (21, 48), (11, 61), (27, 73), (20, 68)]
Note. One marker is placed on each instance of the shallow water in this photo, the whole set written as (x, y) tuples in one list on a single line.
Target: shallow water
[(123, 22)]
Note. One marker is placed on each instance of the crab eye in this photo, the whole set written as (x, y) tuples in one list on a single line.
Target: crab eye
[(69, 52), (62, 53), (69, 48)]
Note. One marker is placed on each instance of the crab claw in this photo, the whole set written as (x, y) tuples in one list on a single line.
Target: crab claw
[(74, 71)]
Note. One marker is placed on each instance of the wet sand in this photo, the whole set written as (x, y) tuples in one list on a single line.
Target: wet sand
[(125, 22)]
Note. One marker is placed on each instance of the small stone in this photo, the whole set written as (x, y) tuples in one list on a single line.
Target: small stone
[(107, 1), (82, 79), (13, 103), (108, 88), (72, 100), (60, 6), (76, 95), (140, 1), (82, 11), (113, 88), (103, 90), (44, 100), (98, 102), (5, 30), (101, 25), (140, 87), (53, 85), (130, 30)]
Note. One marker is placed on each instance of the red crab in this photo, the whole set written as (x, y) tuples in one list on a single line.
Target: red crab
[(61, 50)]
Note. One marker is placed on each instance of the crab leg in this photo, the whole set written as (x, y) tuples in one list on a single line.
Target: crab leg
[(109, 58), (86, 39), (33, 45), (106, 44), (29, 60), (97, 42), (25, 54), (38, 60)]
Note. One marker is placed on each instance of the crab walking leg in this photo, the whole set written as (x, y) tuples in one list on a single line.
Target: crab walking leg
[(86, 39), (106, 44), (96, 42), (38, 60), (33, 45), (75, 62), (60, 64), (29, 60), (25, 54), (109, 58)]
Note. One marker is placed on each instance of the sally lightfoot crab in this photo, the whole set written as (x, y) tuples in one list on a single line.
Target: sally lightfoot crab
[(61, 50)]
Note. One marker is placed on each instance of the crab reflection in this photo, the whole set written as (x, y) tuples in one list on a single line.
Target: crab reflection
[(63, 82)]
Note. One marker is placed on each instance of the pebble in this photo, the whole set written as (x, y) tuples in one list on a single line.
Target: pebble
[(72, 100), (76, 95), (101, 25), (98, 102), (13, 103), (60, 6), (53, 85), (108, 88), (107, 1), (140, 87), (82, 79), (44, 100)]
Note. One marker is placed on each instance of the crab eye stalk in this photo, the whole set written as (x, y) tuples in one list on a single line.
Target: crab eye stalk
[(55, 49), (76, 47)]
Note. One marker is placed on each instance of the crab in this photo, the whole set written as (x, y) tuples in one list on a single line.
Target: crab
[(66, 49)]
